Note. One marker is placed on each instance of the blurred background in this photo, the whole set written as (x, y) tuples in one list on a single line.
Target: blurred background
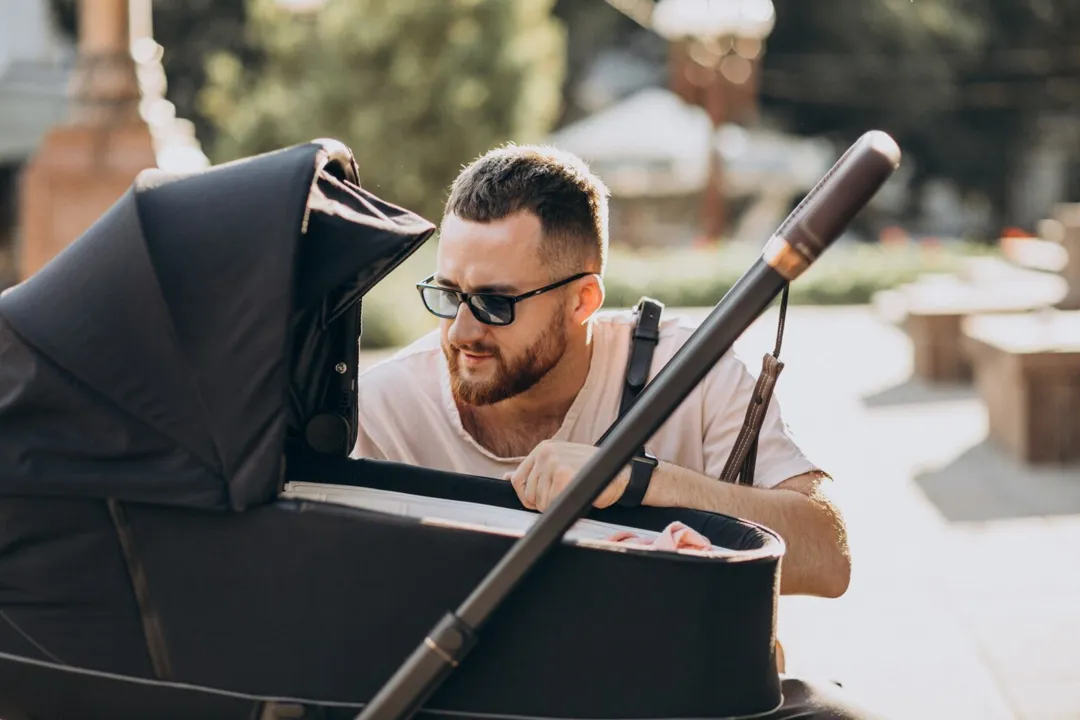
[(933, 354), (707, 118)]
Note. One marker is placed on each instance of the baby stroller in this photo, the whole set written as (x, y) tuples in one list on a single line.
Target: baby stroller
[(183, 534)]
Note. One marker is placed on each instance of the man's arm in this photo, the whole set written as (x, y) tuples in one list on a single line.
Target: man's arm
[(790, 494), (817, 561)]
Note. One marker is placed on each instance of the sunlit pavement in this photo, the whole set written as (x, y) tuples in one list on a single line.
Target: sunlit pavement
[(965, 597)]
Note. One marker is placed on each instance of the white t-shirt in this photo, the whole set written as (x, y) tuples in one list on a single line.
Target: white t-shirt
[(407, 413)]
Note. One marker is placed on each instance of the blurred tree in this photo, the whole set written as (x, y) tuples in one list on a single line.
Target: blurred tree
[(415, 87), (595, 27), (190, 31), (1028, 71), (838, 68), (961, 84)]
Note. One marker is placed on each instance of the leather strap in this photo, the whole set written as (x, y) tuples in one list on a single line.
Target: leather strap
[(153, 628), (743, 458), (641, 470), (642, 344), (742, 461)]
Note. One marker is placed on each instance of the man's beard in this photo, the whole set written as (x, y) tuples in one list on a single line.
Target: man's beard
[(510, 378)]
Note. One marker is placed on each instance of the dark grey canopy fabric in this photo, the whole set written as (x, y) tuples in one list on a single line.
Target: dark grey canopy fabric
[(166, 355)]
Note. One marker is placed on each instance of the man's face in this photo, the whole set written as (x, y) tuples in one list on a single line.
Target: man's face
[(487, 363)]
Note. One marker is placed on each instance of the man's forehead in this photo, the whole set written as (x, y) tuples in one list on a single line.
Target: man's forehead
[(500, 256), (519, 231), (482, 277)]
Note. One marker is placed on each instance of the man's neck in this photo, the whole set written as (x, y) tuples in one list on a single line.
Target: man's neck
[(514, 426)]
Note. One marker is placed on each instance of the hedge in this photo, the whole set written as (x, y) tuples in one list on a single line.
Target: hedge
[(848, 274)]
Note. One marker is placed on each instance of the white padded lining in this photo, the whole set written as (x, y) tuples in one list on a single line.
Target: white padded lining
[(454, 513)]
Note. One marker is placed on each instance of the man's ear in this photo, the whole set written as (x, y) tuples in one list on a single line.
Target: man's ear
[(590, 298)]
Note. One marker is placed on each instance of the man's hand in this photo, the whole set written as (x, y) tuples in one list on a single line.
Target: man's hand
[(550, 467), (817, 560)]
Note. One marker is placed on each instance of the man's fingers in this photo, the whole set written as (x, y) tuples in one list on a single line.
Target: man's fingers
[(557, 482), (527, 475), (544, 493), (533, 484), (520, 483), (525, 468), (519, 477)]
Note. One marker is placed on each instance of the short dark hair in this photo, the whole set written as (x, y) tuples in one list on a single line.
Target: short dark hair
[(555, 185)]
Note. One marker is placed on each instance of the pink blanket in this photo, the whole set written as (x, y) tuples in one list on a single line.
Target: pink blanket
[(674, 537)]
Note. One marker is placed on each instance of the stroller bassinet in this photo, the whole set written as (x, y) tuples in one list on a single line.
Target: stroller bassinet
[(177, 395)]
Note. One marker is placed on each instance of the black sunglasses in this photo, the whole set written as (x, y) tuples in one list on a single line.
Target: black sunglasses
[(488, 308)]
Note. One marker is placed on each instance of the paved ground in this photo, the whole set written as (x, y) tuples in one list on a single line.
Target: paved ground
[(965, 600)]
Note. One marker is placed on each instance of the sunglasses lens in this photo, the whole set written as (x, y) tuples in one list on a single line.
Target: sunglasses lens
[(492, 310), (488, 309), (440, 302)]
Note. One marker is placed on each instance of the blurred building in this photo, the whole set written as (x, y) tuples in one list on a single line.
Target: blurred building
[(35, 67), (78, 123), (652, 149)]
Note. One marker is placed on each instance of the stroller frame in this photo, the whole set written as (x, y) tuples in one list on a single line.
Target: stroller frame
[(236, 469)]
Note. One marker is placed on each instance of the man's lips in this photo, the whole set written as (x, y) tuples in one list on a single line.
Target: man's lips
[(474, 358)]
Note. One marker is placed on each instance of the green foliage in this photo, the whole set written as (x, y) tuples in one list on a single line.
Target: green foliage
[(846, 275), (833, 65), (191, 31), (839, 68), (393, 314), (415, 87)]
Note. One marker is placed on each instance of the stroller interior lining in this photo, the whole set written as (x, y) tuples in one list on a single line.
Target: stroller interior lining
[(467, 515)]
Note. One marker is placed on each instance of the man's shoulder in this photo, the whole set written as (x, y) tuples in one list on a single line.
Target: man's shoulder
[(675, 327), (393, 393)]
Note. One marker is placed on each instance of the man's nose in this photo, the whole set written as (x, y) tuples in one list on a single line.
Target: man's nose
[(465, 328)]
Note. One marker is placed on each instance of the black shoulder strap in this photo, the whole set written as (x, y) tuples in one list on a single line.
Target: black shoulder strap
[(743, 458), (642, 344)]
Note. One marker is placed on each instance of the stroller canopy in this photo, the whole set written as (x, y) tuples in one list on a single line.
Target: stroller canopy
[(166, 355)]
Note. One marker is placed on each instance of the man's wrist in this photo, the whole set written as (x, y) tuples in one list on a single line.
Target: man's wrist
[(639, 475), (659, 492)]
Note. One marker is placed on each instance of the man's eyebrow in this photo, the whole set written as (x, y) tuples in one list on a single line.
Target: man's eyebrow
[(500, 288), (436, 279)]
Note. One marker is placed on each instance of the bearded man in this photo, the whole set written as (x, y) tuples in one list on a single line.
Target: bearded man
[(524, 375)]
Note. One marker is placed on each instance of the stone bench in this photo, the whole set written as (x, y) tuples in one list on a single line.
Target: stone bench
[(934, 309), (1036, 253), (1027, 371), (1063, 230), (1030, 274)]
